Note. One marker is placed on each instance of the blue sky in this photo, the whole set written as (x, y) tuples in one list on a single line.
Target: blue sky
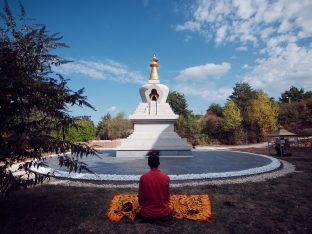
[(204, 47)]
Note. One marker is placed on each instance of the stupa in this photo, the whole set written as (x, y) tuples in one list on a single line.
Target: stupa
[(153, 122)]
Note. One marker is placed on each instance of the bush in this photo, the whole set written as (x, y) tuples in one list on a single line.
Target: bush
[(82, 130)]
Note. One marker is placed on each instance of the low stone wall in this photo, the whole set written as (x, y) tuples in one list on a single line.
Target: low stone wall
[(104, 143)]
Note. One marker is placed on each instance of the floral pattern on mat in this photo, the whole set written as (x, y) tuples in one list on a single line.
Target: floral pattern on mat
[(194, 207), (123, 205)]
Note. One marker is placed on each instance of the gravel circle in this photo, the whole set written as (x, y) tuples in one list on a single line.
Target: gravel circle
[(234, 165), (285, 169)]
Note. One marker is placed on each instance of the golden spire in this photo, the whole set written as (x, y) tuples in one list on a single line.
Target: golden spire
[(154, 65)]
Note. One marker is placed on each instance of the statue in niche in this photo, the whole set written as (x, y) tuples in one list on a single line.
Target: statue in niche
[(154, 95)]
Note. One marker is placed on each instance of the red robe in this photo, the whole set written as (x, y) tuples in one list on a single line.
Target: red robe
[(154, 194)]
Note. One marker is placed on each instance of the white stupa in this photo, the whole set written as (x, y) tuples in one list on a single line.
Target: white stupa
[(154, 123)]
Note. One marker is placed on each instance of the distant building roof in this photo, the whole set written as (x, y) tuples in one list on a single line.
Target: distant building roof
[(281, 132)]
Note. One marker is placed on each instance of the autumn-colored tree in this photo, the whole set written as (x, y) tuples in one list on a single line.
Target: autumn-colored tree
[(231, 116), (210, 126), (242, 94), (231, 123), (296, 116), (289, 114), (305, 110), (262, 116)]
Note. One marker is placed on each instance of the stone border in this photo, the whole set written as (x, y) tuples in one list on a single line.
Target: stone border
[(275, 164)]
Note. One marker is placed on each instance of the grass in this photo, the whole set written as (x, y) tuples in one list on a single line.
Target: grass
[(281, 205)]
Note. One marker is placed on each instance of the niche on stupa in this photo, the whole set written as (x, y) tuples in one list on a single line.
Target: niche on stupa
[(154, 95)]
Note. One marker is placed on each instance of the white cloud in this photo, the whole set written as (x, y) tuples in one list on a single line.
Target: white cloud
[(206, 91), (244, 8), (189, 25), (202, 72), (108, 69), (245, 66), (221, 34), (242, 48), (249, 21), (80, 68), (291, 66), (273, 27), (267, 32), (194, 81), (112, 109)]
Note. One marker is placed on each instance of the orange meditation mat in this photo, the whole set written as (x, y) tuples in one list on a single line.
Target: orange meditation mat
[(194, 207)]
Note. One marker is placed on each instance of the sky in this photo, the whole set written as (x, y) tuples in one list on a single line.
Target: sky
[(204, 47)]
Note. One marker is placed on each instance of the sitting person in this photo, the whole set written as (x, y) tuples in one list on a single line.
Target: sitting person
[(154, 192)]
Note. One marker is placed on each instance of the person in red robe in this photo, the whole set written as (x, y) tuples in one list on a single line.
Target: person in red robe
[(154, 191)]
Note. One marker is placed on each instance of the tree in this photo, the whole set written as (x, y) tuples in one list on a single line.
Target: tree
[(262, 116), (211, 127), (307, 95), (216, 109), (231, 123), (231, 116), (242, 94), (292, 95), (305, 110), (34, 99), (187, 126), (296, 116), (288, 114), (82, 130), (113, 128), (101, 132), (178, 103)]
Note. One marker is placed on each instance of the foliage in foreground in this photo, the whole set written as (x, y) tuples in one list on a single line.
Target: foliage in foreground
[(33, 98)]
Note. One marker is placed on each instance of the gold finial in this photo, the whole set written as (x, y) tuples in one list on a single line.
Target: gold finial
[(154, 65)]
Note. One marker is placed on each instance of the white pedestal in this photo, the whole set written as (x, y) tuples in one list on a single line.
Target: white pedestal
[(154, 130)]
